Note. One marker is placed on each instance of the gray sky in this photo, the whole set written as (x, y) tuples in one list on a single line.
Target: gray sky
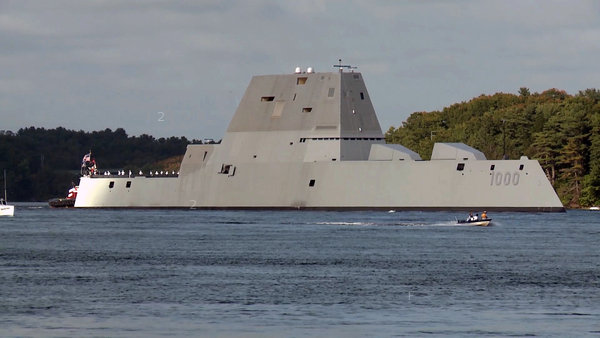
[(179, 68)]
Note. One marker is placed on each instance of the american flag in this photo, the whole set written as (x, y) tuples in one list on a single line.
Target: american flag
[(87, 157)]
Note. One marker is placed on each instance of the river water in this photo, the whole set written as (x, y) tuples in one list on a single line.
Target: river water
[(145, 273)]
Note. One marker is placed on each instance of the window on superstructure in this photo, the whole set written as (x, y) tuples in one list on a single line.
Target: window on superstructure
[(311, 183), (306, 109), (521, 167), (225, 168), (331, 92), (301, 80), (492, 167), (267, 98), (111, 184), (362, 95), (460, 167), (128, 184)]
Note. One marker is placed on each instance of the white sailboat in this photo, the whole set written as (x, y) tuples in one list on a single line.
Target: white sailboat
[(5, 209)]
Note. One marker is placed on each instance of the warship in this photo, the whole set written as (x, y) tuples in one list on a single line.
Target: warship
[(312, 140)]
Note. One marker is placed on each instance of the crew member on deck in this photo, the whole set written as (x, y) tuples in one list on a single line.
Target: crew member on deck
[(484, 215)]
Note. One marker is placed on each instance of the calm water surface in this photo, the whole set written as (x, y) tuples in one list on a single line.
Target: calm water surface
[(141, 273)]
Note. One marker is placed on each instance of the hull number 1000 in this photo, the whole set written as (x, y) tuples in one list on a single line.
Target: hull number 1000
[(506, 178)]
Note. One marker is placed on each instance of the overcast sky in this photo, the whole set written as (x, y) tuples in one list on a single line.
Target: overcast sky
[(179, 68)]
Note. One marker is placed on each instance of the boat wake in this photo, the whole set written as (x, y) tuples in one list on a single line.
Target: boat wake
[(345, 223), (385, 224)]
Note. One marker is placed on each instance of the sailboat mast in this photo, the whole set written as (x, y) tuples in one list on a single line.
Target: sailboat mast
[(5, 186)]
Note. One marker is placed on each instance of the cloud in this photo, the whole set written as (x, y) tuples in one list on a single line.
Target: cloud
[(97, 64)]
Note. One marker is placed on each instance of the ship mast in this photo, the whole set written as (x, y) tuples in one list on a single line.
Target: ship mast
[(341, 66)]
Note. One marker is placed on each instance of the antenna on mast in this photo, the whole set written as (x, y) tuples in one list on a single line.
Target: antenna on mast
[(341, 66)]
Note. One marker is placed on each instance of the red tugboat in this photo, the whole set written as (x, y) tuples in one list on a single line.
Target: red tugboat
[(67, 202)]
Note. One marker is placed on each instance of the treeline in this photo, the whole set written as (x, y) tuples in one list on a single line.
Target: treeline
[(42, 163), (562, 131)]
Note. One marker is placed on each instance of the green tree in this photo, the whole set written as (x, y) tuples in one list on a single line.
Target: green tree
[(524, 92), (572, 169)]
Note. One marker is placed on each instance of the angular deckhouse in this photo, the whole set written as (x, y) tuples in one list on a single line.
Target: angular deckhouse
[(313, 141)]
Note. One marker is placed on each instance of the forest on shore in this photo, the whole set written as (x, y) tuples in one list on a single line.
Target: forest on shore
[(42, 163), (561, 131)]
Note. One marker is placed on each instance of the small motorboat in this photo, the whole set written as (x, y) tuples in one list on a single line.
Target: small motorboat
[(480, 222), (68, 202), (476, 220)]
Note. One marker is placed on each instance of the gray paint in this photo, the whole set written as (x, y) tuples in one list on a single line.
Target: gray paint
[(455, 151), (291, 130)]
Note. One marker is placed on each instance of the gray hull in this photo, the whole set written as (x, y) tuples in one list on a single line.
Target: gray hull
[(313, 141)]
